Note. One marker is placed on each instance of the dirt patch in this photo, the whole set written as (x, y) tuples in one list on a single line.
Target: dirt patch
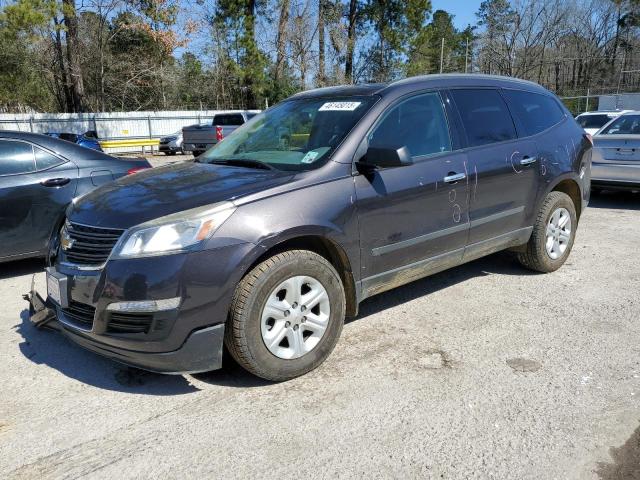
[(524, 365), (434, 359)]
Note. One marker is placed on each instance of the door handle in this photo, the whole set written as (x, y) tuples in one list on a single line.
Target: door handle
[(528, 160), (454, 177), (55, 182)]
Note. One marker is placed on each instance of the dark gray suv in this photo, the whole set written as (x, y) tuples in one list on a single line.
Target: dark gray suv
[(270, 239)]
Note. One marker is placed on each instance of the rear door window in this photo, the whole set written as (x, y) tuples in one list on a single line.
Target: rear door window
[(16, 157), (535, 111), (418, 123), (485, 116), (228, 119)]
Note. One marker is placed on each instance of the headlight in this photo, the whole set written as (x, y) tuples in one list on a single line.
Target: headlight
[(173, 233)]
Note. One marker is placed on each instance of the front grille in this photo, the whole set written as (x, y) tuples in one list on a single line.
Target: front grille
[(90, 245), (80, 315), (129, 322)]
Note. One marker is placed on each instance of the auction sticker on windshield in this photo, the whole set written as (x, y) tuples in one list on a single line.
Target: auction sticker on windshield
[(339, 106)]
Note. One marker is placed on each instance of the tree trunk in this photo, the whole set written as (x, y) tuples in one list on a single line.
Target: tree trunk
[(63, 73), (249, 40), (321, 48), (73, 54), (351, 40), (281, 40)]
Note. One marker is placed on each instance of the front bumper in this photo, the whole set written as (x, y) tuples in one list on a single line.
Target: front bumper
[(186, 338), (201, 352)]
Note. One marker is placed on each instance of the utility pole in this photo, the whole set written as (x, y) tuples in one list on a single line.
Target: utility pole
[(442, 55), (466, 58), (587, 106)]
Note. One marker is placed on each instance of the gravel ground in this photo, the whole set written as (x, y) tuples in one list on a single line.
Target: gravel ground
[(483, 371)]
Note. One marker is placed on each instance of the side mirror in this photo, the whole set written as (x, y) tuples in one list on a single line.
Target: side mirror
[(387, 157)]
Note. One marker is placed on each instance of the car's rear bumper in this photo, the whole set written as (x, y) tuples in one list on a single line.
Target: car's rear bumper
[(169, 148), (197, 147), (613, 175), (615, 185)]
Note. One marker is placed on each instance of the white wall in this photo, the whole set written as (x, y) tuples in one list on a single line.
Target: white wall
[(110, 126)]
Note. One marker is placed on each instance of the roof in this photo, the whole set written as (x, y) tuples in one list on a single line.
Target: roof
[(448, 80), (62, 147), (607, 112), (364, 89)]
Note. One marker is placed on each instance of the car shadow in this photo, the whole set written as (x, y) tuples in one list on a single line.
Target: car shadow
[(503, 263), (50, 348), (18, 268), (626, 461), (615, 200)]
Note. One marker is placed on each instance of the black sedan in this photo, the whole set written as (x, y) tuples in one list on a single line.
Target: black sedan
[(39, 177)]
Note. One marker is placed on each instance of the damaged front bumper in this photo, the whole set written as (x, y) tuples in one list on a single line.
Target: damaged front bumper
[(200, 352)]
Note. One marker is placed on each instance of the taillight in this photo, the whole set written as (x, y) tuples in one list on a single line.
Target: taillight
[(135, 170), (219, 134)]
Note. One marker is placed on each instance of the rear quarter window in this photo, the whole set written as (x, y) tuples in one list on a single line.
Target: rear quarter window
[(593, 121), (485, 116), (45, 159), (536, 112)]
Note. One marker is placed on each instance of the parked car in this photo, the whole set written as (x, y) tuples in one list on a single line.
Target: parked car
[(616, 154), (265, 245), (172, 144), (39, 178), (594, 121), (198, 138), (88, 139)]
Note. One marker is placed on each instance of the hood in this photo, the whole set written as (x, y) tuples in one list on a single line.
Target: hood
[(157, 192)]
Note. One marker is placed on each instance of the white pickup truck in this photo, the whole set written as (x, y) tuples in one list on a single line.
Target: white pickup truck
[(198, 138)]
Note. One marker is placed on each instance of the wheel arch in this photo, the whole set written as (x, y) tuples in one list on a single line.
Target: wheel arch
[(327, 248), (571, 187)]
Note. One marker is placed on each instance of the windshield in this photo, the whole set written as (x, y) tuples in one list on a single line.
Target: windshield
[(624, 125), (593, 121), (298, 134)]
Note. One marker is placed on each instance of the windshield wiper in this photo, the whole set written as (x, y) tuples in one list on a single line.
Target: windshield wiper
[(243, 162)]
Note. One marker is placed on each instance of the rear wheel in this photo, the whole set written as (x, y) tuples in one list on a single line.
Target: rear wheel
[(286, 315), (553, 234)]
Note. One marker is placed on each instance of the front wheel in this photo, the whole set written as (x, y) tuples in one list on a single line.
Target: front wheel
[(553, 234), (286, 315)]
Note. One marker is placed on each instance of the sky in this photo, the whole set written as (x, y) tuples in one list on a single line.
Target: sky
[(464, 10)]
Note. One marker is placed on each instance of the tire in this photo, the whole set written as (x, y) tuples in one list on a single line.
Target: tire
[(536, 255), (170, 153), (248, 321)]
